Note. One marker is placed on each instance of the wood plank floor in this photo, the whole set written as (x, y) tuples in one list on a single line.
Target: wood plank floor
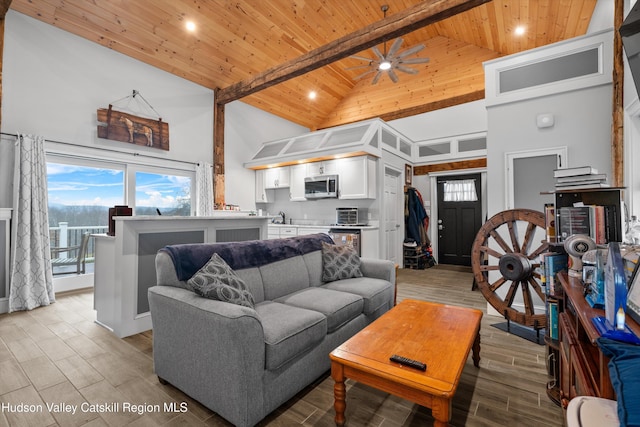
[(57, 354)]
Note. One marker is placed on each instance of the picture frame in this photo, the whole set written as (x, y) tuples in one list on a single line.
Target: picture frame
[(408, 174), (633, 295)]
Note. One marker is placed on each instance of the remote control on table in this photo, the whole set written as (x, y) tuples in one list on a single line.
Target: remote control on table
[(409, 362)]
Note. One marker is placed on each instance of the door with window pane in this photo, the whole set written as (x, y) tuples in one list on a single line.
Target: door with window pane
[(459, 217), (79, 201)]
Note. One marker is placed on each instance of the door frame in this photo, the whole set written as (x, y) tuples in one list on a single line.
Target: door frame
[(433, 214), (400, 216), (509, 157)]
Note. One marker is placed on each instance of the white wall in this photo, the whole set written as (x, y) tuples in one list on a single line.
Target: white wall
[(246, 128), (457, 120), (452, 121), (582, 123), (53, 83)]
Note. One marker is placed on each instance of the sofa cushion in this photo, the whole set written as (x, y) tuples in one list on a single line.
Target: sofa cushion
[(284, 277), (288, 331), (313, 260), (253, 279), (338, 307), (375, 292), (216, 280), (339, 262)]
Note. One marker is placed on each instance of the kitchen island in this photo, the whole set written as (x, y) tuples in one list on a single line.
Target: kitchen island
[(125, 262)]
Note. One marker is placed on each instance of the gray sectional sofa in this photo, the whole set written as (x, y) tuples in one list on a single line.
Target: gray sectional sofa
[(244, 362)]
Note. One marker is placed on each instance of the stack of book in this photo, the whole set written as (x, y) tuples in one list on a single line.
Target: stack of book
[(582, 177)]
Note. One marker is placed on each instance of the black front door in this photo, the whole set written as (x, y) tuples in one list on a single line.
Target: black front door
[(458, 221)]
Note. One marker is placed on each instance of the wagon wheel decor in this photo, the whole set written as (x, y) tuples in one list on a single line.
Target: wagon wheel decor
[(505, 259)]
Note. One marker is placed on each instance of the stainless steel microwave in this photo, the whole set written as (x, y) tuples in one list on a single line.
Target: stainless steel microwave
[(321, 187)]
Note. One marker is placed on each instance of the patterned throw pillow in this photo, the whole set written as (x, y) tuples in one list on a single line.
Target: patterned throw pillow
[(216, 280), (339, 262)]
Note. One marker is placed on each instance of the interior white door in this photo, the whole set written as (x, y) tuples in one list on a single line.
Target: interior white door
[(393, 204)]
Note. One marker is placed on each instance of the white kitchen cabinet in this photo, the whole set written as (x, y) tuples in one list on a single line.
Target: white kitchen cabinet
[(277, 177), (288, 231), (296, 183), (262, 195), (327, 167), (278, 231), (303, 231), (273, 232), (357, 177)]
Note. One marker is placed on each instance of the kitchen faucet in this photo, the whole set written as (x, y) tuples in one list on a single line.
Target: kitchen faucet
[(282, 215)]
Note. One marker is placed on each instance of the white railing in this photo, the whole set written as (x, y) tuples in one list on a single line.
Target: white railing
[(64, 236)]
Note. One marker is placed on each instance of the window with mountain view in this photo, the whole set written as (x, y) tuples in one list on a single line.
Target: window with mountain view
[(162, 194), (81, 193), (79, 201)]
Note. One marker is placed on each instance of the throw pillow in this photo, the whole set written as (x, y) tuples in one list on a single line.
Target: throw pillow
[(625, 378), (339, 262), (216, 280)]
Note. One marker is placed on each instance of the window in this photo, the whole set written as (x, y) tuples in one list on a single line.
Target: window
[(79, 200), (460, 191), (82, 190), (162, 194)]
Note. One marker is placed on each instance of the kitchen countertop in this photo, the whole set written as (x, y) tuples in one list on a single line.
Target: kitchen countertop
[(359, 227)]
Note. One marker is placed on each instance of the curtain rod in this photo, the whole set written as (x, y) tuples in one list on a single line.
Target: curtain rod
[(109, 150)]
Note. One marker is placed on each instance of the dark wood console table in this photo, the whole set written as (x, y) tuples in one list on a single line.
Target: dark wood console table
[(583, 367)]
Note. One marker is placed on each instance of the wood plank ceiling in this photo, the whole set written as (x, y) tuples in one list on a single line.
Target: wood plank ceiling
[(237, 40)]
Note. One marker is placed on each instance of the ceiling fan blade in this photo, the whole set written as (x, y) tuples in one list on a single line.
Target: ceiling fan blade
[(393, 76), (376, 77), (378, 53), (362, 58), (394, 47), (406, 70), (357, 67), (414, 61), (363, 74), (415, 49)]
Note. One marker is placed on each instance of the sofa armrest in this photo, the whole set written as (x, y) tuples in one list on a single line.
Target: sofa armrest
[(212, 350), (379, 269)]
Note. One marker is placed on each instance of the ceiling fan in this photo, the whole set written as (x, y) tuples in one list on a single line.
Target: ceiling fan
[(389, 61)]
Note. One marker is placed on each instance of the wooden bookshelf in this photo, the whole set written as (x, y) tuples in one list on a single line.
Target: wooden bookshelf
[(583, 367), (609, 196)]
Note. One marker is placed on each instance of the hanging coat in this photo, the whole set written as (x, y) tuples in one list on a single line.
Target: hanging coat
[(415, 219)]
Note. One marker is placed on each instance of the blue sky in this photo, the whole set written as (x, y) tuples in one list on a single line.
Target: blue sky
[(81, 185)]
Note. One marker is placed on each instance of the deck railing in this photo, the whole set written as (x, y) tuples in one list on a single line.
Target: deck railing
[(64, 236)]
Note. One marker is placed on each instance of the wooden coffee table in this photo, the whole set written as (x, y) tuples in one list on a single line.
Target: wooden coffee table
[(439, 335)]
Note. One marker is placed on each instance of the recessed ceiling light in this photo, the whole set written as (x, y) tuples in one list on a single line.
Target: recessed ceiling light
[(191, 26), (312, 95), (519, 30)]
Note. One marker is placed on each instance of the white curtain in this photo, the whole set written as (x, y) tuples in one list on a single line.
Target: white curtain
[(204, 189), (463, 190), (31, 275)]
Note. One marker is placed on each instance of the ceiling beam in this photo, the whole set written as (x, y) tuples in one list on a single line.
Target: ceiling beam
[(617, 125), (418, 16), (451, 166)]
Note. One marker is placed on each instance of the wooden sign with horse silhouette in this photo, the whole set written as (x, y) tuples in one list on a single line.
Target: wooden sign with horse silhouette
[(119, 126)]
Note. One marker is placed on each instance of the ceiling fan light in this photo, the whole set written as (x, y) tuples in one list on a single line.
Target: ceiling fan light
[(384, 65)]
